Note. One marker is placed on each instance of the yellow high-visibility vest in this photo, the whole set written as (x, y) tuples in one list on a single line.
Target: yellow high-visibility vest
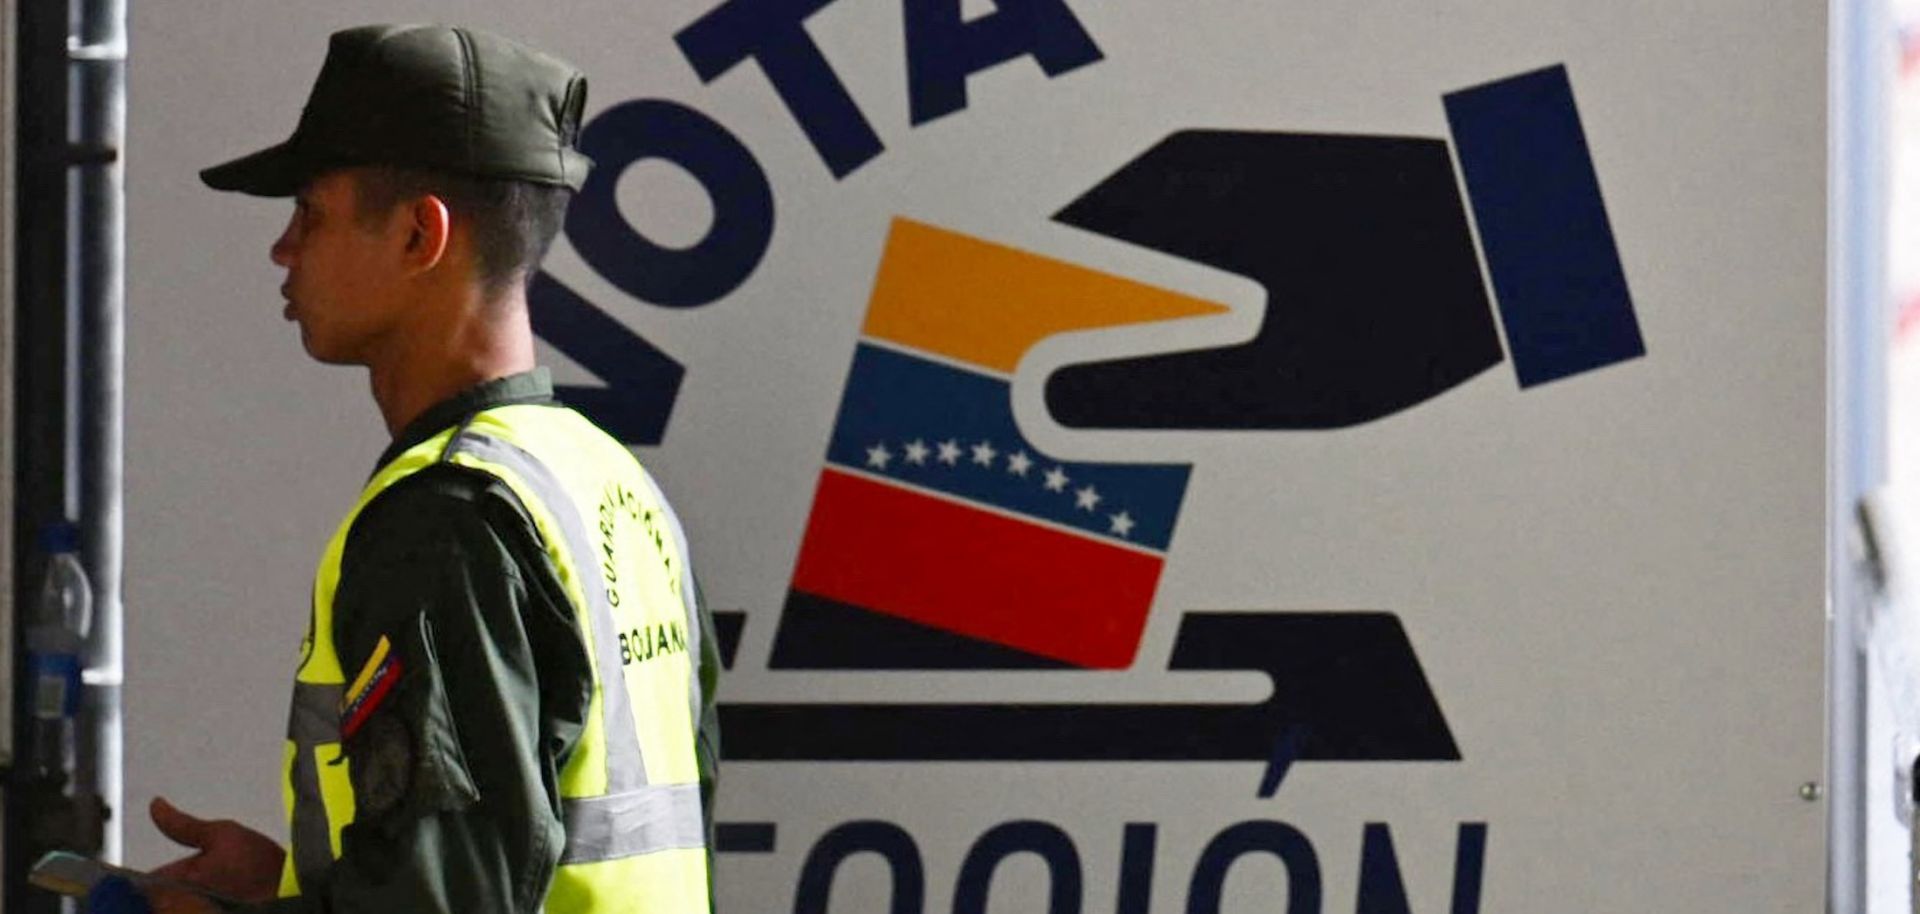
[(636, 835)]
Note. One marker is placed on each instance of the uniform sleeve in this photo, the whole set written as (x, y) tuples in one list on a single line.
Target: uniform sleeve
[(707, 732), (467, 683)]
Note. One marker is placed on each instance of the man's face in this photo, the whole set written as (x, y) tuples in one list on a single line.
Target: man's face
[(344, 276)]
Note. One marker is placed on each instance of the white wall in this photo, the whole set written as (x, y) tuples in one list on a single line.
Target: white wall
[(1613, 582)]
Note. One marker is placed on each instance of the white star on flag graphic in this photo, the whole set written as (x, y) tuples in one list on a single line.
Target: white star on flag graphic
[(1019, 463), (1056, 480), (878, 456), (917, 452), (983, 454), (949, 452), (1122, 523), (1086, 499)]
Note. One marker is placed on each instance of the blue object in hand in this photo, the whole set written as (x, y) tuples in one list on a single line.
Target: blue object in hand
[(117, 895)]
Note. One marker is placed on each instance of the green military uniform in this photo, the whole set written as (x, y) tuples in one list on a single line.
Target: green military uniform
[(457, 548), (504, 699)]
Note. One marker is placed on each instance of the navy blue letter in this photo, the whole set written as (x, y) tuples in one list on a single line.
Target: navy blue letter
[(742, 205), (642, 382), (942, 50), (1382, 891), (774, 34), (888, 840), (1136, 867), (1001, 841), (1469, 864), (1276, 838)]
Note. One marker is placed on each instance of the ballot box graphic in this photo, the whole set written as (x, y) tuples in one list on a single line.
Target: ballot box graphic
[(941, 537), (935, 511)]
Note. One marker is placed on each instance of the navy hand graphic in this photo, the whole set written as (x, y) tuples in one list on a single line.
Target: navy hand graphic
[(1375, 297)]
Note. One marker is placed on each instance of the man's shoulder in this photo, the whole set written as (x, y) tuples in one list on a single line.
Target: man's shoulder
[(440, 503)]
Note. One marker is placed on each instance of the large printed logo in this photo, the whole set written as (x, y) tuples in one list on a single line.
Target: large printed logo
[(942, 537)]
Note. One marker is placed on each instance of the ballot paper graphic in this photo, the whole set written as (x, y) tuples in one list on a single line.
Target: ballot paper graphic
[(934, 511)]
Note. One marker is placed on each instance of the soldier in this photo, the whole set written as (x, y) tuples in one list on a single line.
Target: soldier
[(504, 699)]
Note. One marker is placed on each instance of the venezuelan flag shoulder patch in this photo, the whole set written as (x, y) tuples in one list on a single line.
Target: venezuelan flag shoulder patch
[(370, 688)]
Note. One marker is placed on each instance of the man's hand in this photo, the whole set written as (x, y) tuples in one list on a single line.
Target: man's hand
[(231, 859), (174, 901)]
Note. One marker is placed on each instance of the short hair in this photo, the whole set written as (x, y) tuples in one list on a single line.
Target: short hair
[(512, 223)]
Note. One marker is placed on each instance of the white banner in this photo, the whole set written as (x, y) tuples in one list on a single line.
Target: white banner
[(1149, 457)]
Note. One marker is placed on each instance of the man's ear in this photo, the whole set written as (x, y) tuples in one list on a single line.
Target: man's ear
[(429, 228)]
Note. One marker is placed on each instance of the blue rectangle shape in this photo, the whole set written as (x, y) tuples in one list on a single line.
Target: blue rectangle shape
[(895, 401), (1543, 226)]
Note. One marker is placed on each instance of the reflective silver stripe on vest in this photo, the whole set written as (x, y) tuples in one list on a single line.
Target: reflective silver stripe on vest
[(626, 769), (620, 825), (313, 721)]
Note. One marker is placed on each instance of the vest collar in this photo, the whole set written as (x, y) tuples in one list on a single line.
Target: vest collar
[(534, 386)]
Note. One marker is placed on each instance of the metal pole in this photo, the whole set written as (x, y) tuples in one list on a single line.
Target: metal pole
[(9, 358), (1913, 838), (99, 54), (1860, 63), (44, 477)]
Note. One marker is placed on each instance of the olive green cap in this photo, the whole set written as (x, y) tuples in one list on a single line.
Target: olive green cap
[(427, 96)]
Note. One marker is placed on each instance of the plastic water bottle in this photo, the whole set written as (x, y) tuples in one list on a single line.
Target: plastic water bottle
[(56, 636)]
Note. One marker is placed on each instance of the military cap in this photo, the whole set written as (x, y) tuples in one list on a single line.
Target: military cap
[(427, 96)]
